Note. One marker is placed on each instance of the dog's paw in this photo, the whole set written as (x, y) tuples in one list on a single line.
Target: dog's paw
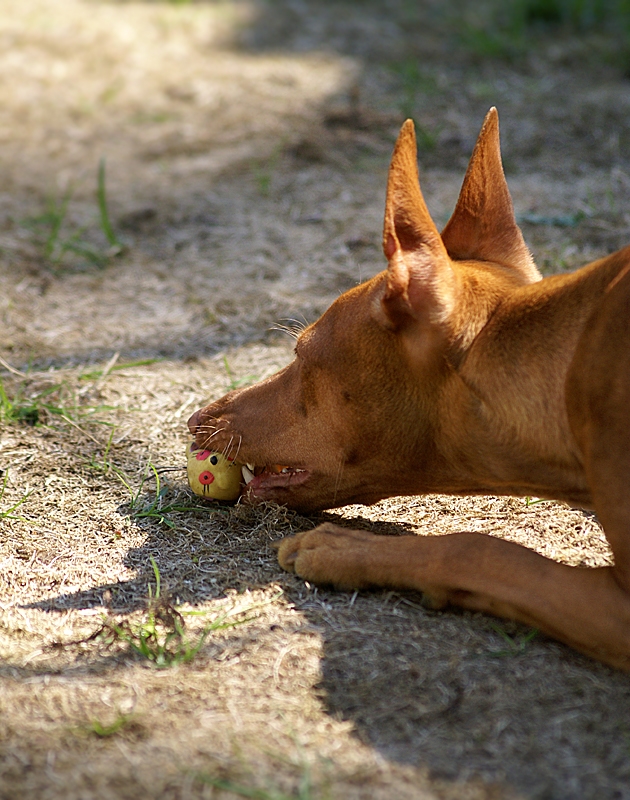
[(329, 554)]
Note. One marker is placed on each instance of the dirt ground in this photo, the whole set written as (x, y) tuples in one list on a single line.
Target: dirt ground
[(245, 149)]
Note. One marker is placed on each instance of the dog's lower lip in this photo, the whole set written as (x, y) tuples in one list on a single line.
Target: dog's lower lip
[(250, 471), (262, 481)]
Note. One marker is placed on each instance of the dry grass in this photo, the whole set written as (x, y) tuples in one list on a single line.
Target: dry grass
[(247, 148)]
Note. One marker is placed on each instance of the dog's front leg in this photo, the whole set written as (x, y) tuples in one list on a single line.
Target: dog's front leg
[(585, 608), (354, 559)]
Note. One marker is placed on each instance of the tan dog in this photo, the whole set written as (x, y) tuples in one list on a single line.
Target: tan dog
[(463, 372)]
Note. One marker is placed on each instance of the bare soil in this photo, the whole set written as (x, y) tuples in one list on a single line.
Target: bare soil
[(246, 146)]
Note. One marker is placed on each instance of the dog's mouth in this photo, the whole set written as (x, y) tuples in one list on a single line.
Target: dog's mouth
[(262, 482)]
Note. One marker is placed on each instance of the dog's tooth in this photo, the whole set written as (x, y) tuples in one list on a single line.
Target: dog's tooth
[(248, 475), (251, 467)]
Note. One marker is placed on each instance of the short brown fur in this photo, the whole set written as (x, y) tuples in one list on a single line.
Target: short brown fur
[(467, 373)]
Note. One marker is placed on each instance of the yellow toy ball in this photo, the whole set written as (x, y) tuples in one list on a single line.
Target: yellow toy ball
[(212, 475)]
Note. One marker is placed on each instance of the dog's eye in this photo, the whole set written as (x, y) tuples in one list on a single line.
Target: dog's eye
[(214, 460)]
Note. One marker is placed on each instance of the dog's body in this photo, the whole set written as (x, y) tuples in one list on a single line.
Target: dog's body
[(457, 370)]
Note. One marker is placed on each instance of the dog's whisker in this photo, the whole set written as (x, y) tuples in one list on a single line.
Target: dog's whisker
[(338, 479), (226, 449), (285, 329), (296, 324), (206, 428), (212, 435), (303, 323), (294, 327)]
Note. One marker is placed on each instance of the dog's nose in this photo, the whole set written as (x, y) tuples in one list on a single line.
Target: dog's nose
[(193, 422)]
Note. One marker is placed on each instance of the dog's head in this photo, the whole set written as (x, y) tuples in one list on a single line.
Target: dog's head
[(354, 417)]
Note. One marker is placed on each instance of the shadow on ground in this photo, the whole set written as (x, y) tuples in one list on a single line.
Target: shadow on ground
[(463, 696)]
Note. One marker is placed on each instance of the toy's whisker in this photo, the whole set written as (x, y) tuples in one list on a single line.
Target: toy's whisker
[(238, 449)]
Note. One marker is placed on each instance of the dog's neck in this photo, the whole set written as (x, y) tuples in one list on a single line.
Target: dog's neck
[(506, 391)]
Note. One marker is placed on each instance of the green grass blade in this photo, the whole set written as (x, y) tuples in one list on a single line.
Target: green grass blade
[(101, 194), (156, 572), (105, 731)]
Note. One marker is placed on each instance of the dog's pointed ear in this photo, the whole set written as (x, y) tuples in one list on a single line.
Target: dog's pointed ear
[(419, 275), (483, 226)]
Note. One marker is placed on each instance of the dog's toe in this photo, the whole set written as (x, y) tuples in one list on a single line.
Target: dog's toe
[(288, 549), (326, 555)]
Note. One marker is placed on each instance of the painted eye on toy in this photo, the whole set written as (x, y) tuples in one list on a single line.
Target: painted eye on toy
[(214, 460), (206, 477)]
